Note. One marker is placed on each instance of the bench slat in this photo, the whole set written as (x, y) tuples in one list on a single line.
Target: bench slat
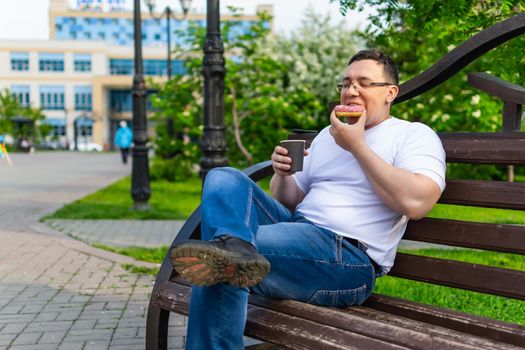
[(480, 278), (492, 194), (505, 148), (362, 320), (495, 237), (462, 322), (290, 332)]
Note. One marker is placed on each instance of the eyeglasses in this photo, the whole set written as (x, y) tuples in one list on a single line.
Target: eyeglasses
[(359, 85)]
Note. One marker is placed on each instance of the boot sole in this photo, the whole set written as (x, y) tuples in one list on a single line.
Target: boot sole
[(205, 265)]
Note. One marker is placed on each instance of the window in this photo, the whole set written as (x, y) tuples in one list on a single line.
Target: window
[(51, 62), (84, 126), (58, 126), (101, 35), (157, 36), (87, 35), (21, 93), (121, 101), (52, 97), (20, 61), (121, 67), (82, 62), (83, 98)]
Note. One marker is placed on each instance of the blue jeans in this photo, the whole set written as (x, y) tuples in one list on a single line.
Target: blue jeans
[(308, 263)]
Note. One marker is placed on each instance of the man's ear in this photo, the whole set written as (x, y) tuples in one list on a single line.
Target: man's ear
[(393, 90)]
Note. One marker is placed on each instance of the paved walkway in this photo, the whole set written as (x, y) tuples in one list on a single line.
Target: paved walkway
[(120, 233), (57, 292)]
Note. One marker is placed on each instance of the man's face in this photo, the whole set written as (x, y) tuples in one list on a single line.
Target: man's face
[(375, 99)]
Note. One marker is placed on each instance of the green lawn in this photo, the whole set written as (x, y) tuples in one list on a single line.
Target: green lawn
[(169, 201)]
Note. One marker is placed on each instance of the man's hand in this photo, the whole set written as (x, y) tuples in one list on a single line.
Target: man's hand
[(281, 164), (349, 137)]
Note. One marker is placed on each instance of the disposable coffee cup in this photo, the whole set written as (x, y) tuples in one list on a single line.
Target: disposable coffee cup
[(296, 152)]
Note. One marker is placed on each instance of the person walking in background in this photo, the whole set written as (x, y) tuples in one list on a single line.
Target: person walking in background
[(123, 140)]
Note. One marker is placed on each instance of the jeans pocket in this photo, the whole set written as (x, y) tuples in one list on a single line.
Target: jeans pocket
[(339, 298)]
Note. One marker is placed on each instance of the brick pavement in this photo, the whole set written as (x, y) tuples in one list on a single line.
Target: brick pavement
[(57, 292)]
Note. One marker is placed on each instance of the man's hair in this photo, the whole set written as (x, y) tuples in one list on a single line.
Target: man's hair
[(390, 68)]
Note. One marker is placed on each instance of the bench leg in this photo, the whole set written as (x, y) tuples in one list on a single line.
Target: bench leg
[(157, 328)]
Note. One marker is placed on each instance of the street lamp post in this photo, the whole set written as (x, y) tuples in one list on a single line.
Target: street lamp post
[(185, 5), (213, 140), (140, 188)]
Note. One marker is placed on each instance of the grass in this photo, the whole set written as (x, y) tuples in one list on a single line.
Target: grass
[(154, 255), (169, 201)]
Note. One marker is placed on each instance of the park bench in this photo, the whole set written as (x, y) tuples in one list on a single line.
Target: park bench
[(385, 322)]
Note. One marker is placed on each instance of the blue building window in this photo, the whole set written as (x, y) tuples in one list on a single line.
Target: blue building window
[(58, 126), (120, 101), (19, 61), (83, 98), (52, 97), (21, 93), (82, 62), (151, 67), (51, 62), (121, 67)]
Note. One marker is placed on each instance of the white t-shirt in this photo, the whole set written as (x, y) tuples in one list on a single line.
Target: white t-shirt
[(340, 198)]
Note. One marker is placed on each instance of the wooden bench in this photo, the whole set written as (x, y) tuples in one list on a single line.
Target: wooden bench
[(385, 322)]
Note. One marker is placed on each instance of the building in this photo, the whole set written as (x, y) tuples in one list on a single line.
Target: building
[(82, 75)]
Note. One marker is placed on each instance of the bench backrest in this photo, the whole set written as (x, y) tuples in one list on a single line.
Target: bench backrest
[(506, 147)]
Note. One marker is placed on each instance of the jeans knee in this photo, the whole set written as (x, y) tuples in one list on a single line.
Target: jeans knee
[(223, 179)]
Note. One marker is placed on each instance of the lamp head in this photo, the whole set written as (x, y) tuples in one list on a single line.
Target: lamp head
[(151, 4), (185, 4)]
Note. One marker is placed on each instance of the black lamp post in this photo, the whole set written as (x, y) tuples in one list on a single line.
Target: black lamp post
[(140, 189), (213, 141), (185, 5)]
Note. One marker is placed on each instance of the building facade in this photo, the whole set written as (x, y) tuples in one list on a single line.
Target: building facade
[(82, 76)]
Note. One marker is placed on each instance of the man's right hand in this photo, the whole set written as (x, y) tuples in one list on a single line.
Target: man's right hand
[(281, 163)]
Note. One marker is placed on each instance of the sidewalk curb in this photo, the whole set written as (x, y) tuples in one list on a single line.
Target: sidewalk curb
[(72, 243)]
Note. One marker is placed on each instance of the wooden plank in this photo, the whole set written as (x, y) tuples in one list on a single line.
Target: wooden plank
[(275, 327), (491, 194), (504, 90), (495, 237), (480, 278), (373, 323), (462, 322), (505, 148)]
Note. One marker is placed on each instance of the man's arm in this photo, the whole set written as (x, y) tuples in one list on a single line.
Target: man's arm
[(282, 185), (406, 192)]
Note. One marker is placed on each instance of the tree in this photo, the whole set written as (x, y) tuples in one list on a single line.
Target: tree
[(11, 108)]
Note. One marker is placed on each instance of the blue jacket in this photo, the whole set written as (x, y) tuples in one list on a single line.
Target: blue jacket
[(123, 137)]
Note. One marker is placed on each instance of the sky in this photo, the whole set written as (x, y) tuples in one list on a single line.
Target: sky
[(28, 19)]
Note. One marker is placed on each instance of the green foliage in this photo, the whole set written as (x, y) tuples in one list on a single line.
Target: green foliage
[(416, 34), (272, 85), (11, 108)]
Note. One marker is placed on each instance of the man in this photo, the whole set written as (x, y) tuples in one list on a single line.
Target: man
[(329, 230), (123, 140)]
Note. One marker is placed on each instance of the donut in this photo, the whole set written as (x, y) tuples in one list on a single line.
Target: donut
[(348, 111), (349, 114)]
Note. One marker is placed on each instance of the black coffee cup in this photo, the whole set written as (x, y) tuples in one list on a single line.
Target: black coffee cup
[(296, 152)]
